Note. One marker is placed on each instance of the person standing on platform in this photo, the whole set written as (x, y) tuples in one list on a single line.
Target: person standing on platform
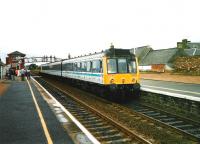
[(28, 74), (12, 74), (9, 73), (22, 71)]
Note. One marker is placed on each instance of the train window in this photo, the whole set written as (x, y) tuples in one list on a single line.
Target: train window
[(88, 66), (122, 66), (132, 66), (75, 67), (112, 65), (68, 67), (79, 66), (96, 66), (57, 67), (101, 67), (44, 67), (83, 66)]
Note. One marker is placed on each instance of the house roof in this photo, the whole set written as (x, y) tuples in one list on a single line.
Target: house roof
[(189, 52), (194, 45), (192, 51), (197, 52), (141, 52), (162, 56), (17, 53)]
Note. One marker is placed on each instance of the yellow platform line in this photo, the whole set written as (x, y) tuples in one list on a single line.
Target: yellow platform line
[(44, 126)]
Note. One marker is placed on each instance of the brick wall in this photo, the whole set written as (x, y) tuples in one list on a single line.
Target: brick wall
[(158, 67), (187, 64)]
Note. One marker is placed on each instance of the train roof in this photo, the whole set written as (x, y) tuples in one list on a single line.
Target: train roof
[(111, 52), (118, 52)]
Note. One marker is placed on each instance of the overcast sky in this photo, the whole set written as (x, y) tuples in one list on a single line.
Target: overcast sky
[(59, 27)]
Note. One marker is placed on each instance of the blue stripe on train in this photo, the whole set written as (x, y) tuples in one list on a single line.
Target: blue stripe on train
[(85, 74)]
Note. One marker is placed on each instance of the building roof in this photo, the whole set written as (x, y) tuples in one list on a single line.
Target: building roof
[(17, 53), (194, 45), (141, 52), (197, 52), (162, 56), (192, 51), (189, 52)]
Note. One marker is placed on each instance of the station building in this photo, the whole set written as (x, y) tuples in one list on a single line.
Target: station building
[(15, 60)]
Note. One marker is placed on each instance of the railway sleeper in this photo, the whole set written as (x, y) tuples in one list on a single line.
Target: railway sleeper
[(120, 141), (184, 126), (148, 112), (167, 119), (197, 135), (100, 128), (194, 131), (161, 116), (154, 114), (105, 128), (80, 114), (75, 109), (92, 122), (112, 137), (88, 118), (174, 122), (141, 110), (96, 125), (108, 132)]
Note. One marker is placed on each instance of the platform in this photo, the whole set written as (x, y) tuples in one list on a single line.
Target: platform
[(191, 91), (20, 121)]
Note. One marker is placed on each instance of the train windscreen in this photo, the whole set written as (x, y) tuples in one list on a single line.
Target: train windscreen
[(121, 65)]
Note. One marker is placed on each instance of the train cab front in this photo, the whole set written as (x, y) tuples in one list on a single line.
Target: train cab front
[(121, 73)]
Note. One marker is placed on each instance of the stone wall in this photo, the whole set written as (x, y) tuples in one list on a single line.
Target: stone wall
[(189, 64), (178, 106)]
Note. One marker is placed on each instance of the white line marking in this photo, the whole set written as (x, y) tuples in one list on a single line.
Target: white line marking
[(178, 90), (84, 130), (44, 126)]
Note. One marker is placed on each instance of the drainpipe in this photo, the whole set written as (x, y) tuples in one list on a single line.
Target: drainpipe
[(194, 51)]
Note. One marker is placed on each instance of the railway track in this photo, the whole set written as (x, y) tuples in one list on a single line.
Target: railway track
[(105, 129), (182, 125), (134, 118)]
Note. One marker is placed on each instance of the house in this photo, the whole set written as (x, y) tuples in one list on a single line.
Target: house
[(163, 60), (160, 60)]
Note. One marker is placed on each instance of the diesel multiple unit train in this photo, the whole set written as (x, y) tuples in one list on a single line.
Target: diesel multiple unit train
[(112, 73)]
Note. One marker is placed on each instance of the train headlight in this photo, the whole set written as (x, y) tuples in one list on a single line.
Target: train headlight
[(133, 80), (112, 81)]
